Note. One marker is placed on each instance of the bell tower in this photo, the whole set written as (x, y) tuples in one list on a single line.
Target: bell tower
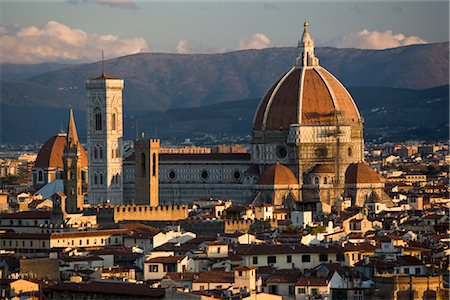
[(104, 139), (72, 178)]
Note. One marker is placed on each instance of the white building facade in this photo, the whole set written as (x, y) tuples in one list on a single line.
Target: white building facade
[(104, 139)]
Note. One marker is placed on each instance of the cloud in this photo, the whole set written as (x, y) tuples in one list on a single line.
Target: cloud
[(186, 46), (56, 42), (366, 39), (110, 3), (256, 41)]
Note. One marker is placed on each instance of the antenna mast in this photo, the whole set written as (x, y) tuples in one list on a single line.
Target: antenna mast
[(103, 63)]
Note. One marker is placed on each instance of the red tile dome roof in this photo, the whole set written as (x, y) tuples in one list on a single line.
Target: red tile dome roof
[(307, 94), (277, 174), (51, 153), (361, 173)]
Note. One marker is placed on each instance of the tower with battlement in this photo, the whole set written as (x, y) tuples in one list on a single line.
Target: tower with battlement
[(146, 171)]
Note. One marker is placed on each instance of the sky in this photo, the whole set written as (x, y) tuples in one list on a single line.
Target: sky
[(77, 30)]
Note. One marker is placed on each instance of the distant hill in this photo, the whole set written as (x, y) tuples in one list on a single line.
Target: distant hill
[(156, 81), (390, 114), (23, 71)]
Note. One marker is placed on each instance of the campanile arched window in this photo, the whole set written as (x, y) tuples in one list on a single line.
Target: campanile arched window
[(114, 121), (98, 118)]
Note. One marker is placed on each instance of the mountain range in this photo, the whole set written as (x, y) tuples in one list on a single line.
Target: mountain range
[(160, 86)]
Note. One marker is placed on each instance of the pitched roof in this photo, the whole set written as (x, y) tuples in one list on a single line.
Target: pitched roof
[(26, 236), (28, 214), (89, 233), (108, 288), (267, 249), (182, 276), (321, 168), (205, 157), (312, 281), (214, 276), (166, 259), (283, 277)]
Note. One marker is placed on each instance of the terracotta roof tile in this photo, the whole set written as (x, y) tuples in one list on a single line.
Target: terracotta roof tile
[(319, 169), (51, 153), (205, 157), (108, 288), (166, 259), (28, 214), (277, 174), (322, 95), (361, 173)]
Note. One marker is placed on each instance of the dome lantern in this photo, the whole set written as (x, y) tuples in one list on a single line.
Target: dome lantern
[(305, 49)]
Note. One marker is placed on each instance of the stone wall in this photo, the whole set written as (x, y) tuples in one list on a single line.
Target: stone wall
[(40, 268)]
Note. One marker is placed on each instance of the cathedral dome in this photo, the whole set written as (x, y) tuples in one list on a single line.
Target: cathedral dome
[(307, 94), (361, 173), (51, 153), (277, 174)]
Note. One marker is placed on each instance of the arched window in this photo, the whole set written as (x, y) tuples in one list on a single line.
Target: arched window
[(101, 179), (325, 180), (113, 121), (98, 119), (95, 179), (95, 152), (100, 152), (143, 171), (154, 165), (316, 180), (40, 175)]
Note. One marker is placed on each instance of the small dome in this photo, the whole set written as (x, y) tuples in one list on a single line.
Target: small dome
[(361, 173), (320, 169), (51, 153), (277, 174)]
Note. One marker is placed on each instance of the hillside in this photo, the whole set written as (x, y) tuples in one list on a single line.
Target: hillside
[(390, 114), (156, 81)]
